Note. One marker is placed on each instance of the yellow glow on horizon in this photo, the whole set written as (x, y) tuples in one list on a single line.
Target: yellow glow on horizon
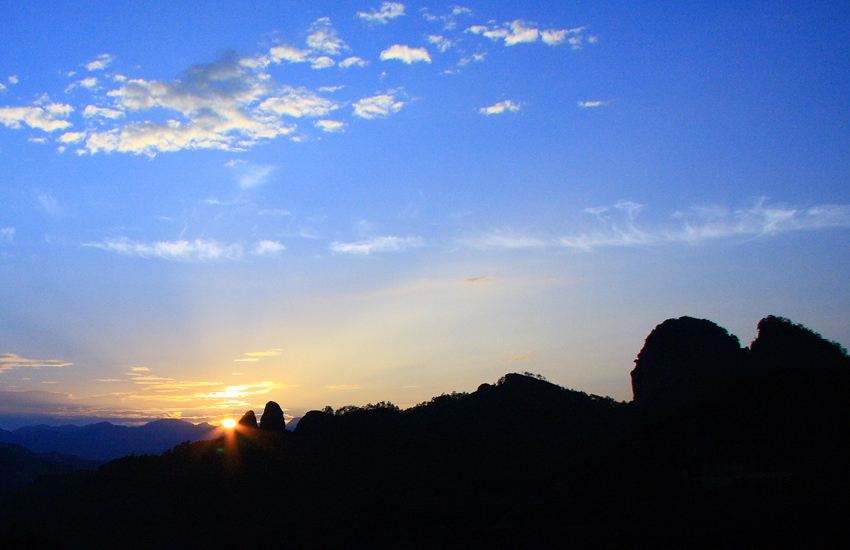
[(228, 423)]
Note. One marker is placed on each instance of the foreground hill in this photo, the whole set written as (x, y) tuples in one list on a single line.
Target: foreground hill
[(754, 455), (20, 466)]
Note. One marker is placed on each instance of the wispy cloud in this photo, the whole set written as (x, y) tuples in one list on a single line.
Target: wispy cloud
[(352, 62), (330, 126), (249, 175), (139, 369), (519, 357), (7, 235), (287, 53), (382, 16), (102, 112), (449, 20), (505, 239), (268, 248), (325, 39), (378, 106), (344, 387), (197, 250), (298, 102), (9, 361), (590, 104), (48, 203), (266, 353), (618, 226), (378, 244), (506, 106), (521, 32), (479, 281), (101, 63), (406, 54), (441, 42)]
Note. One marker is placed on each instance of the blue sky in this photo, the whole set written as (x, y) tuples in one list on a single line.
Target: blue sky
[(209, 205)]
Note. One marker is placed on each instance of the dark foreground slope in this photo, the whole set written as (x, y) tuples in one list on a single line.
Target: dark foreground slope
[(20, 466), (758, 459)]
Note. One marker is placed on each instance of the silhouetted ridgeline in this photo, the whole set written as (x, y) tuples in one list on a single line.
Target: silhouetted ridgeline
[(722, 446)]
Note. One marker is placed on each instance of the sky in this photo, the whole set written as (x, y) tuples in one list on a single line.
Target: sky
[(208, 205)]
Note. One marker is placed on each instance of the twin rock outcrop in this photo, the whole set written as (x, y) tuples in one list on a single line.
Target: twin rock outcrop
[(272, 418)]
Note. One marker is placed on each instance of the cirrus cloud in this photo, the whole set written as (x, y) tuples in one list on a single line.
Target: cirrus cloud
[(382, 16), (377, 244)]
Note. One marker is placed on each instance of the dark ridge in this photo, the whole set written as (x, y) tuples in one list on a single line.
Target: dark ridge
[(723, 446)]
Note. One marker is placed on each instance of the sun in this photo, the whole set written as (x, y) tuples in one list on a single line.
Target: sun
[(228, 423)]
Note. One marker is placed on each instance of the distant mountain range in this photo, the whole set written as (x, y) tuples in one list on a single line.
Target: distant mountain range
[(104, 441)]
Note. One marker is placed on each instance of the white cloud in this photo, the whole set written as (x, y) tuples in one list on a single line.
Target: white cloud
[(71, 137), (7, 235), (406, 54), (218, 105), (100, 63), (268, 248), (553, 37), (500, 108), (197, 250), (90, 82), (588, 104), (352, 62), (519, 32), (289, 54), (378, 244), (330, 126), (102, 112), (298, 102), (13, 79), (512, 33), (377, 106), (48, 117), (442, 43), (322, 62), (9, 361), (323, 38), (388, 11)]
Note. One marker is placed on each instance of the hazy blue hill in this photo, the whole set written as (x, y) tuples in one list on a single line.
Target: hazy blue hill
[(65, 428), (106, 441)]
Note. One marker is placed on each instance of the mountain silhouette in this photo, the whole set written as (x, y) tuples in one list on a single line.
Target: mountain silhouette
[(722, 446)]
